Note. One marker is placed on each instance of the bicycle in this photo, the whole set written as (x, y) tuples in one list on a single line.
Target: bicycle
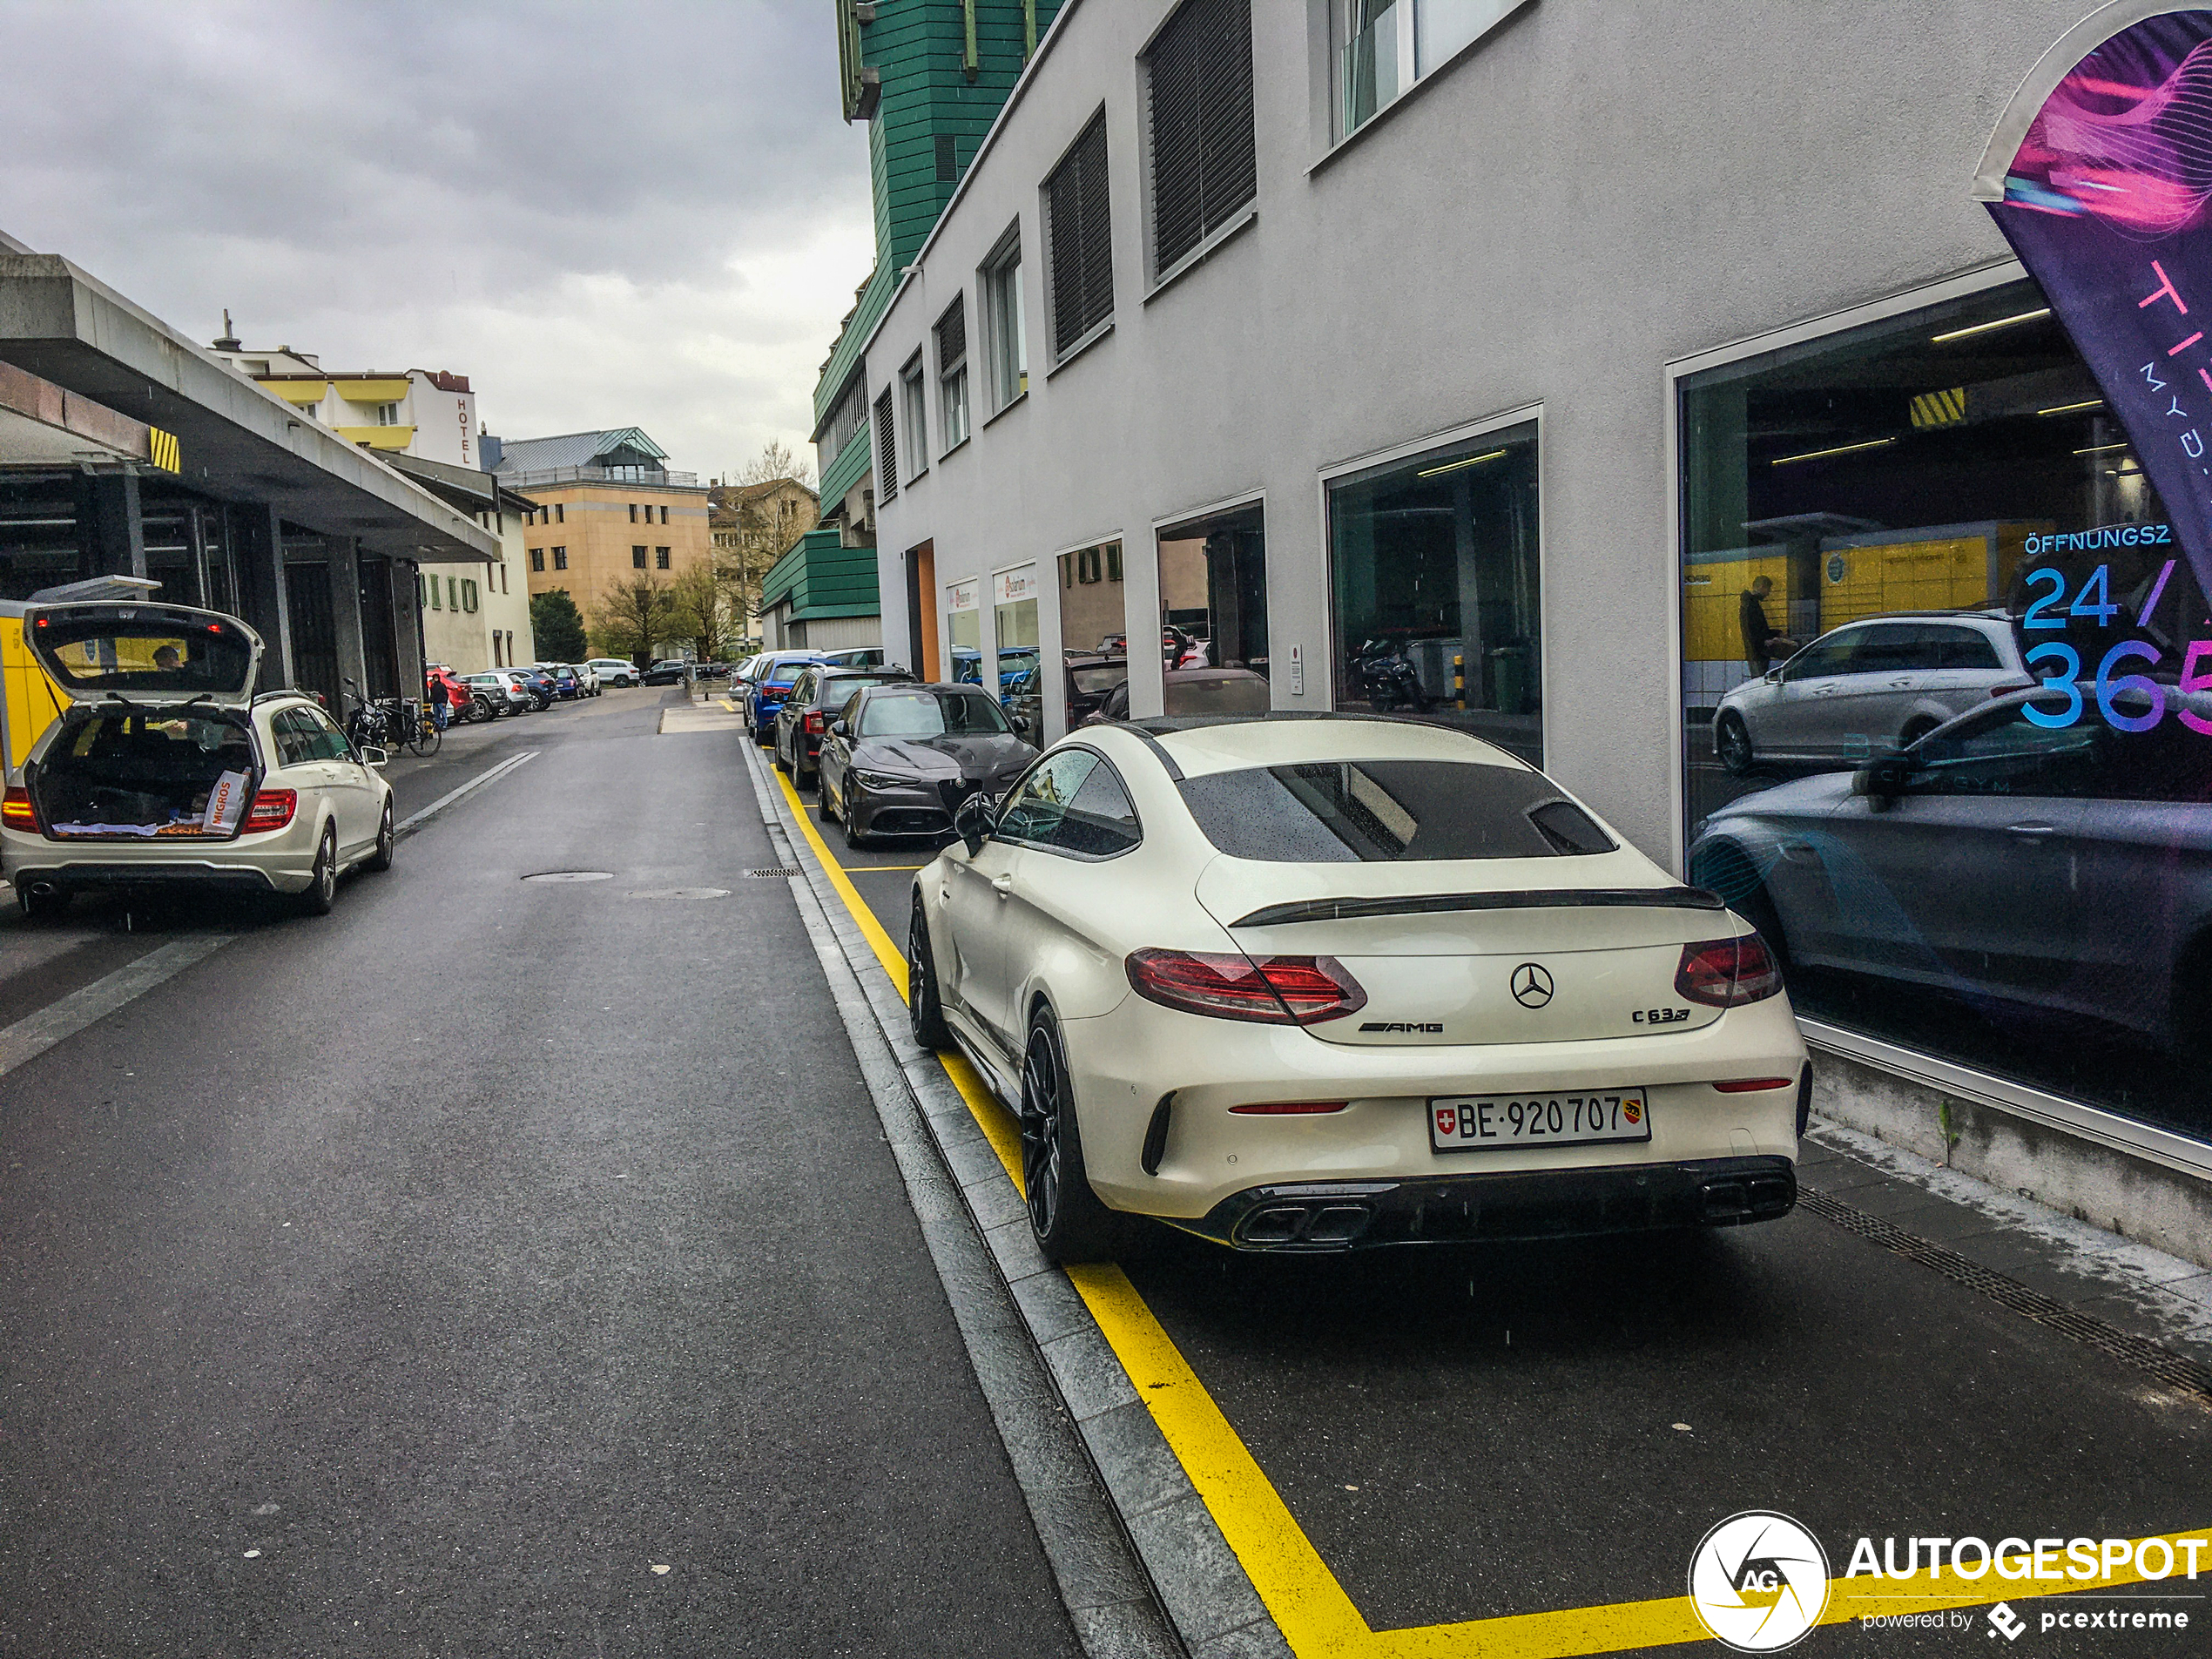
[(428, 736)]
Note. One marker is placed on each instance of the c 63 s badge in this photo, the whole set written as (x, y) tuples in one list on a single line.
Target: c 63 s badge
[(1658, 1016)]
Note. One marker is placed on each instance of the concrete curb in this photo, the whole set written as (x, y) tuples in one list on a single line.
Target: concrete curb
[(1159, 1524)]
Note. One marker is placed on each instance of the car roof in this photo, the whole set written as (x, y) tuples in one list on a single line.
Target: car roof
[(1203, 744)]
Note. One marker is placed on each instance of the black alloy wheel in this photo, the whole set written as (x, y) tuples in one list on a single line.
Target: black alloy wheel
[(322, 888), (925, 1011), (782, 765), (387, 838), (1733, 740), (823, 814), (854, 838), (1070, 1224)]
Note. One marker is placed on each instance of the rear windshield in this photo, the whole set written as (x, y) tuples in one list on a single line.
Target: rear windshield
[(134, 650), (1217, 694), (835, 689), (1097, 682), (1382, 812), (931, 714), (784, 674)]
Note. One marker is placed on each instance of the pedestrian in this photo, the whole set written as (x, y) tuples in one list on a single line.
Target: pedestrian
[(440, 701), (1762, 644)]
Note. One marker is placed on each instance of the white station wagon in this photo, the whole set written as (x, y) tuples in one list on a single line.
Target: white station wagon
[(167, 772)]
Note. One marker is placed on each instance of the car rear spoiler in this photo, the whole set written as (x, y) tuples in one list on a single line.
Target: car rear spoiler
[(1278, 915)]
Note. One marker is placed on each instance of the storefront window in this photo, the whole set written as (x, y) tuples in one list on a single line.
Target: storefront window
[(1213, 599), (1094, 628), (1014, 624), (1943, 739), (964, 632), (1433, 566)]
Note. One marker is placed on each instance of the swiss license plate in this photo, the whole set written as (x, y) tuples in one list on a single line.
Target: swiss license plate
[(1469, 1123)]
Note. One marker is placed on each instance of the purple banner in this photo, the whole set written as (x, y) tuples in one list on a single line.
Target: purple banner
[(2106, 201)]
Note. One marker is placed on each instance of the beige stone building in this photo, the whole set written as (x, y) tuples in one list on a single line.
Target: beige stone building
[(753, 525), (607, 510)]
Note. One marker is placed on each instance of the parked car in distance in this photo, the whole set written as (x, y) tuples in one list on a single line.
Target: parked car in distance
[(1194, 691), (712, 671), (567, 683), (460, 699), (589, 676), (1869, 686), (614, 671), (899, 759), (1320, 985), (668, 670), (816, 695), (540, 685), (502, 691), (775, 673), (1091, 680), (2064, 871), (166, 770)]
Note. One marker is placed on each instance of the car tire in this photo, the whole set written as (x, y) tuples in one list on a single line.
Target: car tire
[(1068, 1222), (822, 814), (782, 765), (387, 839), (42, 907), (1732, 743), (1915, 729), (853, 838), (925, 1009), (322, 885)]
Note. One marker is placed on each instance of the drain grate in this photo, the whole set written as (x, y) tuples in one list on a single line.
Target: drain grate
[(774, 875), (2175, 1370)]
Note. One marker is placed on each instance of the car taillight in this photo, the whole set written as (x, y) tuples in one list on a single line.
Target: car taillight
[(16, 810), (1723, 973), (1753, 1085), (816, 724), (1289, 1108), (1281, 990), (271, 810)]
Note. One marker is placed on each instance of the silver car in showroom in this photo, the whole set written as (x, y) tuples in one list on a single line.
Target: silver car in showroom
[(1869, 686), (2063, 869)]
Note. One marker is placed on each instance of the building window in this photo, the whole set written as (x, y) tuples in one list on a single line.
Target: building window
[(503, 579), (1213, 592), (845, 417), (1433, 565), (1004, 324), (560, 512), (660, 558), (1383, 46), (948, 160), (498, 659), (915, 401), (1079, 243), (388, 414), (1094, 626), (469, 596), (952, 373), (1936, 518), (559, 558), (1199, 97), (636, 558), (633, 512), (453, 593), (430, 593), (887, 450), (663, 515), (537, 558)]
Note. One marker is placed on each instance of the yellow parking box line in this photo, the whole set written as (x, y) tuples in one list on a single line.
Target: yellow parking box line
[(1308, 1605), (880, 869)]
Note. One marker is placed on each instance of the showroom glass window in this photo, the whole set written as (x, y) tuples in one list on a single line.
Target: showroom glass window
[(1433, 566), (1936, 637)]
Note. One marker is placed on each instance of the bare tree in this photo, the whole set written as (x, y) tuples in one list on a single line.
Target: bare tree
[(633, 616), (698, 610), (776, 461), (757, 519)]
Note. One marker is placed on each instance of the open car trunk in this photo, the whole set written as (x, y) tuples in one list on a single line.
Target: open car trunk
[(119, 772)]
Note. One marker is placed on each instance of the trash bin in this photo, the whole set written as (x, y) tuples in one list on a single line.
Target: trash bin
[(1509, 679)]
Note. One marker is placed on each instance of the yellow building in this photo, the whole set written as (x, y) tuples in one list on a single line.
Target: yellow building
[(609, 509)]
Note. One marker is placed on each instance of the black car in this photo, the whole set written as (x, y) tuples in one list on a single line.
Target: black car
[(898, 760), (803, 720), (665, 673)]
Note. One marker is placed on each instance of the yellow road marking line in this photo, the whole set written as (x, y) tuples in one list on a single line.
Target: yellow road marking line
[(1309, 1605), (874, 869)]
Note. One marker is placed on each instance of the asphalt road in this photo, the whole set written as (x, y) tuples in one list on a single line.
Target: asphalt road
[(427, 1277)]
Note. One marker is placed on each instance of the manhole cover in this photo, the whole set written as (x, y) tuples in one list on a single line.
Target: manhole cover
[(571, 875), (681, 892), (772, 875)]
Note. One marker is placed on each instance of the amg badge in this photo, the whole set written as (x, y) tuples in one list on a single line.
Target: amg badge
[(1431, 1027)]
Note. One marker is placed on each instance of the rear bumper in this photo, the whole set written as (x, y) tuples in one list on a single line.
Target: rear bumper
[(197, 875), (1310, 1217)]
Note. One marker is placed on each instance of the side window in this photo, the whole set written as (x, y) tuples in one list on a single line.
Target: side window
[(1825, 658), (1964, 648), (1033, 812), (294, 745), (1100, 822), (327, 742), (2008, 755)]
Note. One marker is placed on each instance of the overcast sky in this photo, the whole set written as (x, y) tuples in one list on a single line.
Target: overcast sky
[(645, 212)]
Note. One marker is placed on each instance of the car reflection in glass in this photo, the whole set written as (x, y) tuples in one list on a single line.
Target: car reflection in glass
[(2056, 869), (898, 760)]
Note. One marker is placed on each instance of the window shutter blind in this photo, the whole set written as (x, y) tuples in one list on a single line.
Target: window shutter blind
[(887, 450), (952, 337), (1083, 240), (1200, 97)]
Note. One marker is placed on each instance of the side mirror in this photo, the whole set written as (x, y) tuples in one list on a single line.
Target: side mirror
[(839, 729), (1773, 676), (973, 822), (372, 756), (1881, 781)]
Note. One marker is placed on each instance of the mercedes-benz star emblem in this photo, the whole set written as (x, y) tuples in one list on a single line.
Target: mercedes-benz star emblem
[(1532, 986)]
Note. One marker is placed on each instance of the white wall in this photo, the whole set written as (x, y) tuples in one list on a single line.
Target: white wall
[(1588, 193)]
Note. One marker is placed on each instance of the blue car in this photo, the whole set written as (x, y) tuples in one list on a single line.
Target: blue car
[(773, 677)]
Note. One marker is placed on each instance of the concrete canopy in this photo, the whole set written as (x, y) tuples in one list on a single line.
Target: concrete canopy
[(235, 442)]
